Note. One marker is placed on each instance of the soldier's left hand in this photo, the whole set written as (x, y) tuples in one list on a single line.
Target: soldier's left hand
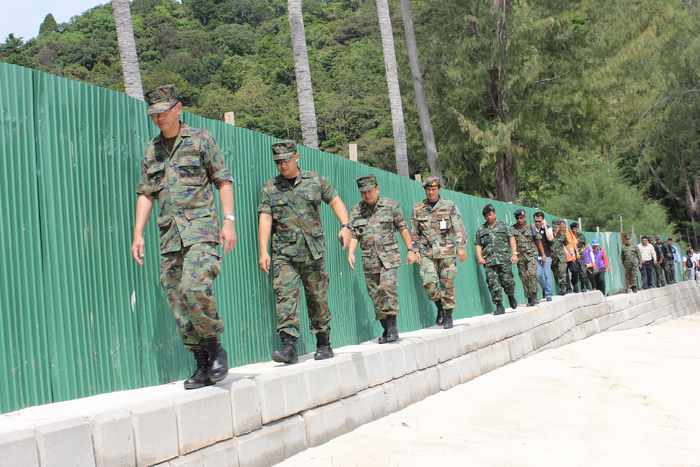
[(514, 259), (413, 257), (462, 255), (227, 236), (345, 237)]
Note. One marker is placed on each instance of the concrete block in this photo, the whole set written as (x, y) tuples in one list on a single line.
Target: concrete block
[(585, 330), (448, 343), (203, 418), (224, 454), (245, 406), (394, 360), (283, 392), (420, 386), (432, 376), (351, 374), (293, 435), (589, 313), (263, 447), (155, 432), (404, 392), (113, 439), (449, 374), (520, 345), (426, 353), (18, 448), (542, 335), (66, 443), (410, 355), (375, 365), (375, 398), (323, 381), (492, 357), (391, 398), (195, 459), (325, 423), (358, 410), (606, 322), (469, 367)]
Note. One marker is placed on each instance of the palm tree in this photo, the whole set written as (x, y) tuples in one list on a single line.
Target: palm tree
[(392, 81), (127, 49), (305, 92), (423, 112)]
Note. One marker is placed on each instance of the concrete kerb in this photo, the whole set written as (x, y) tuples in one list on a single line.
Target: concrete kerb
[(18, 448), (68, 442), (113, 439), (203, 418)]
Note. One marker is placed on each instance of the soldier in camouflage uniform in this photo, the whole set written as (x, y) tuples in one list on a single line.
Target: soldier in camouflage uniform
[(660, 278), (179, 167), (584, 284), (374, 222), (438, 232), (526, 239), (497, 250), (631, 260), (289, 211), (559, 266)]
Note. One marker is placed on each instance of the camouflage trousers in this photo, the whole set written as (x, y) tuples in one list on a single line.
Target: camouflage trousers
[(499, 278), (438, 276), (660, 279), (669, 271), (630, 276), (561, 273), (187, 277), (527, 269), (382, 287), (286, 277)]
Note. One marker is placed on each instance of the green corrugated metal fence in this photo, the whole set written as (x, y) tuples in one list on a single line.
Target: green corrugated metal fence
[(80, 318)]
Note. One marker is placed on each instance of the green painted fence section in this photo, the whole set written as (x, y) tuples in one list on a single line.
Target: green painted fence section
[(80, 318)]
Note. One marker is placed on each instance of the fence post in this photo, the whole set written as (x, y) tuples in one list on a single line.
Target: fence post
[(230, 118), (352, 151)]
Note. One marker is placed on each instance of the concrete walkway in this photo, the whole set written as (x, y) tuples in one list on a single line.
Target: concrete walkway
[(626, 398)]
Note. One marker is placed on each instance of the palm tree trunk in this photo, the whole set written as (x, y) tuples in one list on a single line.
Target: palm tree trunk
[(127, 49), (305, 92), (392, 81), (423, 112)]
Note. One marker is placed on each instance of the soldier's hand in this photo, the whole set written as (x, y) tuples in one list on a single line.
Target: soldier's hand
[(228, 237), (462, 255), (481, 261), (344, 236), (138, 248), (351, 261), (264, 262), (413, 257), (514, 259)]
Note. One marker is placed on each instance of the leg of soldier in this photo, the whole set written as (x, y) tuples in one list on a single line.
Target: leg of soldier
[(285, 283), (389, 294), (372, 279), (315, 280), (494, 284), (669, 269), (505, 277), (170, 277), (447, 268), (562, 277), (201, 266), (429, 276), (527, 269), (583, 277)]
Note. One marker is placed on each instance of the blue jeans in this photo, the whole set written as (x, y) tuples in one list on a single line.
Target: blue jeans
[(544, 275)]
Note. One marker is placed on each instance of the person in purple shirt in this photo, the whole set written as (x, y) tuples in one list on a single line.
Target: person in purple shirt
[(596, 262)]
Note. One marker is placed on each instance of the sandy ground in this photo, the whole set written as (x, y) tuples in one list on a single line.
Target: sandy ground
[(620, 399)]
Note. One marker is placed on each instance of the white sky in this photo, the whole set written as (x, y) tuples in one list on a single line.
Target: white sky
[(23, 17)]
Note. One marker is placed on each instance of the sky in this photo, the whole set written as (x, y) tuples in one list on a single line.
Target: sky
[(23, 17)]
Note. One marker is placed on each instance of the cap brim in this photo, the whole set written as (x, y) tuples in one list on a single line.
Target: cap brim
[(160, 107), (366, 188), (283, 157)]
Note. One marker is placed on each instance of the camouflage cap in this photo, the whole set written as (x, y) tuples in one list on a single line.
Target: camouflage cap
[(487, 209), (161, 99), (519, 212), (366, 183), (283, 150), (431, 181)]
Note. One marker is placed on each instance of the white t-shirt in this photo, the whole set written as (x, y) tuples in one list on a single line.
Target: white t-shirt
[(695, 258), (647, 252)]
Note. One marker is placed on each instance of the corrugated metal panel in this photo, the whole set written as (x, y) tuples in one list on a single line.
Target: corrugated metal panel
[(84, 319)]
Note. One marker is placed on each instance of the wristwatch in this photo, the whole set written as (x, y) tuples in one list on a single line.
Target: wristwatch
[(345, 226), (230, 217)]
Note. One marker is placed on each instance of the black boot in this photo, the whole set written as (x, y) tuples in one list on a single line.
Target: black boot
[(218, 361), (288, 352), (323, 347), (200, 378), (447, 322), (499, 309), (385, 325), (513, 302), (392, 333), (440, 313), (532, 300)]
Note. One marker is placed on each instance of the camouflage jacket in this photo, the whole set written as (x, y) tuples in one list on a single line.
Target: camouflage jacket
[(526, 237), (182, 181), (375, 227), (494, 241), (580, 243), (630, 256), (297, 232), (438, 230), (559, 247)]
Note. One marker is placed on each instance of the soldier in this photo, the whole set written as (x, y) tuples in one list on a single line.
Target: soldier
[(438, 231), (584, 284), (630, 261), (668, 251), (659, 263), (289, 211), (374, 222), (559, 256), (179, 167), (526, 239), (497, 250)]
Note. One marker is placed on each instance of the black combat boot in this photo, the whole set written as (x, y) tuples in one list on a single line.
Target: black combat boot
[(323, 347), (218, 360), (288, 352), (385, 325), (200, 378), (499, 309), (392, 333), (513, 302), (634, 289), (440, 313), (532, 300), (447, 322)]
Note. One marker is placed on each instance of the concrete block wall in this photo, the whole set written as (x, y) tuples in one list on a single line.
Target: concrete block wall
[(266, 412)]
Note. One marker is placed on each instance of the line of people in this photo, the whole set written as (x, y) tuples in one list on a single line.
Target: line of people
[(656, 262)]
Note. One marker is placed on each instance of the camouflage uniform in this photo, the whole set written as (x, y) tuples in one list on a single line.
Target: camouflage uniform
[(559, 261), (630, 261), (181, 180), (298, 248), (585, 283), (659, 265), (525, 238), (375, 228), (495, 249), (438, 232)]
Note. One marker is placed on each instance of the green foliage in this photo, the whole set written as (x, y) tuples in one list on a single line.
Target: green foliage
[(48, 25)]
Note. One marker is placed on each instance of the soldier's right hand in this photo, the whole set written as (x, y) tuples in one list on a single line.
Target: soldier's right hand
[(351, 261), (138, 248), (264, 262), (482, 261)]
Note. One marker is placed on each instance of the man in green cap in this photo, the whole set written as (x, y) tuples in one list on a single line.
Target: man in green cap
[(438, 231), (529, 246), (374, 222), (631, 260), (179, 168), (289, 211), (496, 249)]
